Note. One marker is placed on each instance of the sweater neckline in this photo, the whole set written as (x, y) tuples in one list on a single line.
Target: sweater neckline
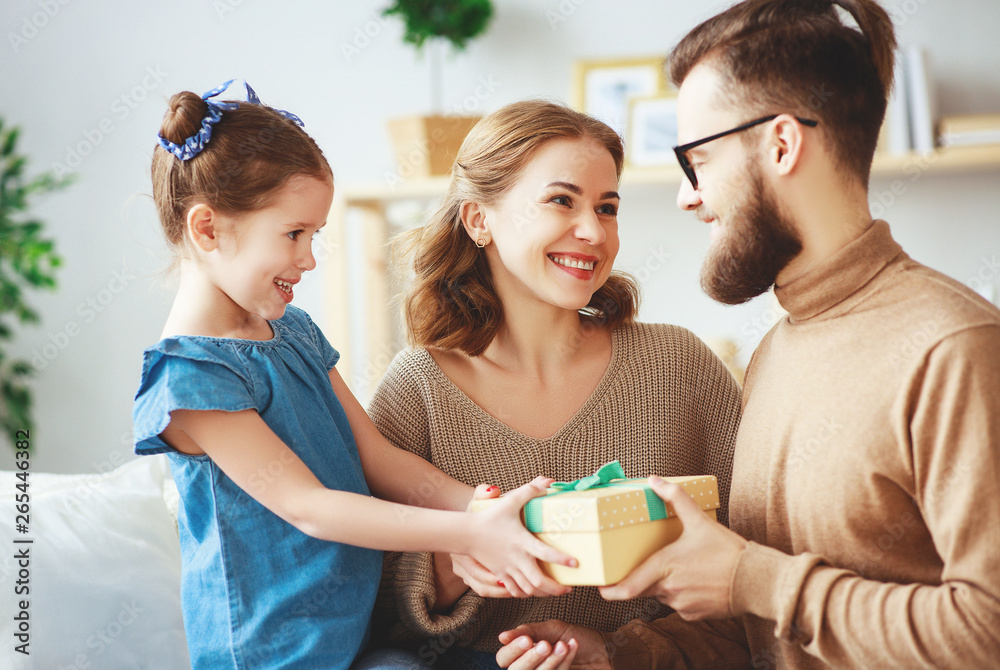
[(581, 414), (842, 276)]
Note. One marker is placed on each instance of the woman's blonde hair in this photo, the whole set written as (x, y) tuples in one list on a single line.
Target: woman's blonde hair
[(452, 303)]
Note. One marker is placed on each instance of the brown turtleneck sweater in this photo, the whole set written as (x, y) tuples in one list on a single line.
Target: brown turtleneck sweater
[(866, 477)]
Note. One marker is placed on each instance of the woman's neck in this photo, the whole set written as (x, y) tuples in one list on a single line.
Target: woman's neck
[(541, 340)]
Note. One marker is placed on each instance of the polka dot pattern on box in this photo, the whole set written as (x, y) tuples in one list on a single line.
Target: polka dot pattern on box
[(623, 509)]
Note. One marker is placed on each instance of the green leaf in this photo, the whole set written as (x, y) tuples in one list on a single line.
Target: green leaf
[(22, 369), (457, 21), (28, 315), (10, 293), (16, 404), (28, 259), (48, 182), (9, 141), (14, 167)]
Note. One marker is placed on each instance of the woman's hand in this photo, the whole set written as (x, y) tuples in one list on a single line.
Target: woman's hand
[(553, 645), (448, 585), (503, 552)]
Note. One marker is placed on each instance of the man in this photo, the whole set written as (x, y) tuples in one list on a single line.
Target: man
[(864, 498)]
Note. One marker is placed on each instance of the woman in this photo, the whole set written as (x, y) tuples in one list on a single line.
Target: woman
[(527, 358)]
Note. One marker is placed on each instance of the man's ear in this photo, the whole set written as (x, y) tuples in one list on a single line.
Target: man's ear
[(473, 217), (202, 227), (786, 140)]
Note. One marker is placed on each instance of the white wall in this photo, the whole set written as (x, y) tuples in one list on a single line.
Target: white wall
[(93, 77)]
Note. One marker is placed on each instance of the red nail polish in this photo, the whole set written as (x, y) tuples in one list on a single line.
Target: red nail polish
[(499, 582), (491, 489)]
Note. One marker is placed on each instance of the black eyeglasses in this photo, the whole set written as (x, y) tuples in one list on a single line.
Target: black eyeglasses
[(681, 151)]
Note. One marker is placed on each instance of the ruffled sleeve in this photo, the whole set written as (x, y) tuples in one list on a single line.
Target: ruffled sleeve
[(187, 374)]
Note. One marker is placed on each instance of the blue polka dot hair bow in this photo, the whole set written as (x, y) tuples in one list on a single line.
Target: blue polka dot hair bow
[(194, 145)]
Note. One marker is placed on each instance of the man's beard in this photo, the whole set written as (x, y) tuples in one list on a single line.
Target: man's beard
[(758, 243)]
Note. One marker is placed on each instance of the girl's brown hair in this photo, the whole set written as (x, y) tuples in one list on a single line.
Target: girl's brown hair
[(252, 153), (452, 303), (798, 57)]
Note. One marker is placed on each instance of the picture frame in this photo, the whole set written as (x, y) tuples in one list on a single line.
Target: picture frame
[(652, 131), (604, 88)]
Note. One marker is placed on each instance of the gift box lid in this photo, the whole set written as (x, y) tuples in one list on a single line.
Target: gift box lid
[(608, 500)]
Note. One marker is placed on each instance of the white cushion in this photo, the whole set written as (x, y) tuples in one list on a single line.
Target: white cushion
[(104, 571)]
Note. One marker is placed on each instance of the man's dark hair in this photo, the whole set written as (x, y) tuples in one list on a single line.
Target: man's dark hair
[(799, 57)]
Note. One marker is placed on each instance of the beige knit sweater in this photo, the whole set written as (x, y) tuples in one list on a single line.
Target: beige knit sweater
[(866, 475), (666, 405)]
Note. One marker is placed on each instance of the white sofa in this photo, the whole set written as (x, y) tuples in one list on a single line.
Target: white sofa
[(102, 573)]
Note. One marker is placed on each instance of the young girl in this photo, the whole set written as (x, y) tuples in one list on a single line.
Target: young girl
[(274, 458)]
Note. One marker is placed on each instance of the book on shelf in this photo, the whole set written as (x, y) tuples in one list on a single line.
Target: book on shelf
[(922, 101), (894, 138), (969, 129)]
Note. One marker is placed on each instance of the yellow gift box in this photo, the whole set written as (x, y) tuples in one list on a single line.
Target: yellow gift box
[(608, 523)]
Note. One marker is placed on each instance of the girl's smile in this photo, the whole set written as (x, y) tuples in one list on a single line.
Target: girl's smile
[(285, 288)]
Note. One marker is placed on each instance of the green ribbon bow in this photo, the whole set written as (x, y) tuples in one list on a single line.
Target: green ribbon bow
[(609, 475), (604, 474)]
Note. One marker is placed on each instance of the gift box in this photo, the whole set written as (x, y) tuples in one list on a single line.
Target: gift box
[(610, 524)]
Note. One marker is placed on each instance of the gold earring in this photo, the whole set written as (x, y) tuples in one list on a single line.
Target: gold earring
[(480, 243)]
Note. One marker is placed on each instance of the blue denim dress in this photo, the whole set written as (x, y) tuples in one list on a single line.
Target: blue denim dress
[(257, 592)]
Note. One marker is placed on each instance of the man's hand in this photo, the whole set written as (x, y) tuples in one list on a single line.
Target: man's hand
[(553, 645), (691, 574)]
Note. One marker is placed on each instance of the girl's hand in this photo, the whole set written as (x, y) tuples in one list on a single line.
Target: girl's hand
[(468, 570), (448, 581), (474, 574), (503, 552)]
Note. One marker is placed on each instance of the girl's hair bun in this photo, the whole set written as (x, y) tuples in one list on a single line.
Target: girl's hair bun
[(183, 117), (252, 152)]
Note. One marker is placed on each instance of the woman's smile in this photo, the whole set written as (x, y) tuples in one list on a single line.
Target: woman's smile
[(577, 265)]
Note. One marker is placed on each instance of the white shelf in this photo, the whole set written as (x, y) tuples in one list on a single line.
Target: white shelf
[(952, 159)]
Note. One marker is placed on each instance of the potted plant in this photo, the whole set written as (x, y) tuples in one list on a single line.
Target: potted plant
[(427, 145), (27, 261)]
